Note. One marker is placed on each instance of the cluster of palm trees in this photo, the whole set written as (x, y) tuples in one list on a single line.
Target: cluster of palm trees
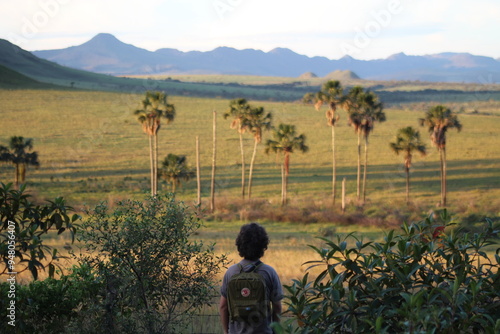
[(154, 107), (245, 119), (363, 108), (438, 120), (255, 120), (18, 152)]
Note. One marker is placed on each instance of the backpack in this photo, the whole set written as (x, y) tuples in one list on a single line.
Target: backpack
[(247, 296)]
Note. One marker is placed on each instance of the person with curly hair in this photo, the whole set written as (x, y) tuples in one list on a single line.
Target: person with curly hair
[(252, 242)]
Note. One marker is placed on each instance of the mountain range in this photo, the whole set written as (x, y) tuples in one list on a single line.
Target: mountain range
[(106, 54)]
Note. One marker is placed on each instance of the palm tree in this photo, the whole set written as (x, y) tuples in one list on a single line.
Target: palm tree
[(154, 106), (438, 120), (255, 122), (175, 169), (239, 110), (17, 153), (331, 94), (364, 109), (285, 141), (353, 106), (408, 141), (372, 112)]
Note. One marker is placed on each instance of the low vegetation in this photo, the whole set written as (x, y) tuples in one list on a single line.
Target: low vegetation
[(431, 278), (23, 226), (137, 271)]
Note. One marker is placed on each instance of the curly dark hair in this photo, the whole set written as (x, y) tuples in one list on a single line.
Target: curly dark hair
[(252, 241)]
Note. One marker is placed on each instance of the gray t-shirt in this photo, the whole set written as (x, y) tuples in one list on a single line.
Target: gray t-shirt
[(274, 291)]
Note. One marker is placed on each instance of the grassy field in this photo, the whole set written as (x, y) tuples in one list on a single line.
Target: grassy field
[(92, 149)]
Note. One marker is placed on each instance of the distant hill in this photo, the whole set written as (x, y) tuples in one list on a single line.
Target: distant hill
[(10, 79), (22, 69), (106, 54), (24, 62), (342, 75), (307, 75), (31, 68)]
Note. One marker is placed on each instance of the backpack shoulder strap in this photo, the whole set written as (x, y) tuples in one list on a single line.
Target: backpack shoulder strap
[(255, 266)]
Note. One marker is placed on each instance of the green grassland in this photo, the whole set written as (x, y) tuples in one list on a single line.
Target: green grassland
[(92, 149)]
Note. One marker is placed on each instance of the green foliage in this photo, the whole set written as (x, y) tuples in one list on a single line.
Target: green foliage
[(174, 169), (408, 141), (23, 245), (257, 120), (364, 108), (285, 141), (17, 154), (48, 306), (154, 106), (429, 279), (155, 276), (438, 120)]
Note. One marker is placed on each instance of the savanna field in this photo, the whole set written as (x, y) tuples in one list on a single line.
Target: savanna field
[(92, 149)]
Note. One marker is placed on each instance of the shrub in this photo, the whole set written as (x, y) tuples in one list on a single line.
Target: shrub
[(48, 306), (429, 279), (23, 226), (154, 276)]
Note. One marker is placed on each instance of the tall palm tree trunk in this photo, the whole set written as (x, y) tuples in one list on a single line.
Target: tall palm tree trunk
[(16, 177), (151, 160), (250, 173), (441, 172), (286, 165), (407, 170), (358, 179), (334, 166), (284, 185), (286, 188), (242, 167), (198, 176), (155, 162), (443, 200), (214, 151), (22, 172), (365, 169)]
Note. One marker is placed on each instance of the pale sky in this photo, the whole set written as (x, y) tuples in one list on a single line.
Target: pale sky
[(364, 29)]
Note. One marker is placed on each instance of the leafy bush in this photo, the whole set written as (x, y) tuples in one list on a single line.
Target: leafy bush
[(48, 306), (154, 277), (429, 279), (22, 227)]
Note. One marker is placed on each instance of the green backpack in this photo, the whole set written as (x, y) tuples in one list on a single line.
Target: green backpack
[(247, 296)]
